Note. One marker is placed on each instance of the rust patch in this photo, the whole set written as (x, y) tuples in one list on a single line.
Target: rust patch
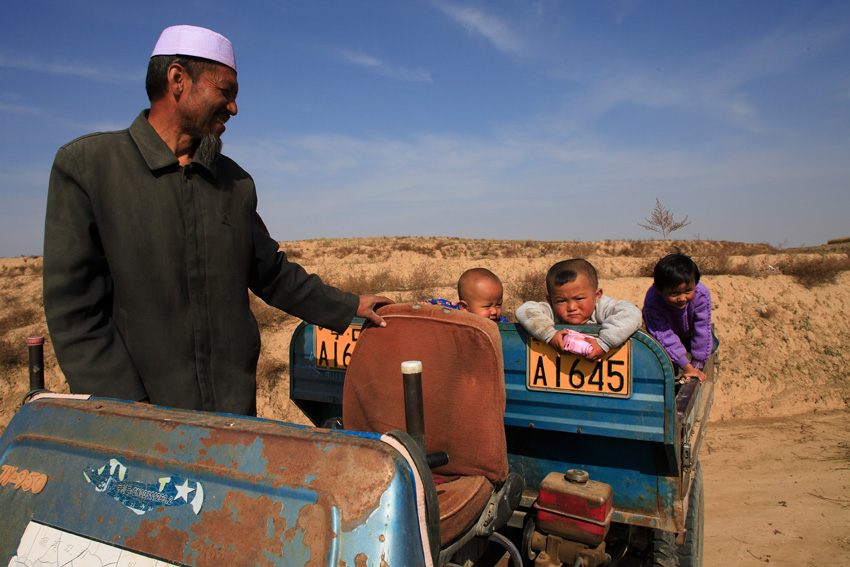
[(360, 560), (314, 521), (227, 437), (354, 477), (157, 539), (238, 533), (160, 447)]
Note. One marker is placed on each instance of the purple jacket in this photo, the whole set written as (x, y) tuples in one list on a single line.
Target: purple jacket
[(675, 328)]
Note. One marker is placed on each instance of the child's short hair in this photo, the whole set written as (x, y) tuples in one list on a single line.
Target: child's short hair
[(472, 275), (567, 271), (674, 270)]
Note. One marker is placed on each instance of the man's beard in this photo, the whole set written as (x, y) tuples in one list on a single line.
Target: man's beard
[(208, 150)]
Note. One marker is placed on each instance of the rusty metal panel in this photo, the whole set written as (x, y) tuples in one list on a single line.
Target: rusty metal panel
[(193, 488)]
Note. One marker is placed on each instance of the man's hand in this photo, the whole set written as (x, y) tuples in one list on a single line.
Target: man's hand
[(367, 306)]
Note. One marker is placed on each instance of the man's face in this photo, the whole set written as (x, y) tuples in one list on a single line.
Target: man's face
[(485, 299), (209, 102), (574, 302)]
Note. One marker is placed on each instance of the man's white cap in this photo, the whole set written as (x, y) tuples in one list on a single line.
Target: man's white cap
[(197, 42)]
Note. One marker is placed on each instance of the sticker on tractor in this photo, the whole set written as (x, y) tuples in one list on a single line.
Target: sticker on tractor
[(141, 497)]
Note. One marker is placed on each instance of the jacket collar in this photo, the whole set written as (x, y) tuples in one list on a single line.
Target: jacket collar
[(154, 150)]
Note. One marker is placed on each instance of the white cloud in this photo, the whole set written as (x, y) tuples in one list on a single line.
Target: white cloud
[(492, 28), (33, 64), (375, 65), (21, 109)]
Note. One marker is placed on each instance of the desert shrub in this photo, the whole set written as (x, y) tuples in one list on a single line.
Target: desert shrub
[(661, 221), (408, 244), (421, 283), (348, 250), (270, 371), (376, 254), (838, 241), (294, 253), (530, 286), (638, 249), (18, 316), (722, 266), (646, 269), (13, 354), (578, 249), (811, 272), (361, 283), (767, 311), (267, 317)]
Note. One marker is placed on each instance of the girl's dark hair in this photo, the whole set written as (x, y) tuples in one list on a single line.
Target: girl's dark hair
[(674, 270), (156, 81)]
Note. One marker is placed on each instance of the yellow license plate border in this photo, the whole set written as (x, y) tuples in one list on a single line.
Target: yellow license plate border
[(537, 352), (332, 349)]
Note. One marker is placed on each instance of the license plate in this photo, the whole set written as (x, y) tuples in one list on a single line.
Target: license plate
[(333, 350), (568, 373)]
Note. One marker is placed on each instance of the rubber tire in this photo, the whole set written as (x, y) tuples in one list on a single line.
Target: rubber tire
[(665, 552)]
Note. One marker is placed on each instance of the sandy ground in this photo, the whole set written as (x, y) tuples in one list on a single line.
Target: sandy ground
[(777, 491), (776, 461)]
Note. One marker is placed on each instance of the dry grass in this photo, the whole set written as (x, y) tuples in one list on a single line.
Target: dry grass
[(16, 316), (815, 271), (530, 286), (12, 355), (270, 372), (767, 311), (415, 286), (724, 266), (268, 318)]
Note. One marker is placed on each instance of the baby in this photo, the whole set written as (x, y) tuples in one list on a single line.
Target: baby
[(479, 291), (574, 297), (677, 312)]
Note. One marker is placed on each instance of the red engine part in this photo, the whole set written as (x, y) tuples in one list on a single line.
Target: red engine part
[(574, 507)]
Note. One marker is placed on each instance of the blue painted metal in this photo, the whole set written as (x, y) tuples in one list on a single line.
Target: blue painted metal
[(633, 444), (644, 416), (131, 475)]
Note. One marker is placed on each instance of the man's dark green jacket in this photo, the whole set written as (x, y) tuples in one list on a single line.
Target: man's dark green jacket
[(147, 267)]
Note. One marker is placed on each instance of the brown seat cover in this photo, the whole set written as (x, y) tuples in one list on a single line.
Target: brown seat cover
[(464, 399)]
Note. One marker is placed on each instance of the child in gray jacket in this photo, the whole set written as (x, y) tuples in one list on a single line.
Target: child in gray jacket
[(574, 298)]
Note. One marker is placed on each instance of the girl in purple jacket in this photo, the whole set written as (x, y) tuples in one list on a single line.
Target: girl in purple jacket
[(677, 312)]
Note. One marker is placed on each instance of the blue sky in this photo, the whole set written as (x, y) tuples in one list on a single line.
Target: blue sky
[(549, 120)]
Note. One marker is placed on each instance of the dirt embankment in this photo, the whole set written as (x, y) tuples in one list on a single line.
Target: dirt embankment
[(777, 458)]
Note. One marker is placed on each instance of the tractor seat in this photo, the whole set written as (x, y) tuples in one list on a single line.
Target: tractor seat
[(463, 387)]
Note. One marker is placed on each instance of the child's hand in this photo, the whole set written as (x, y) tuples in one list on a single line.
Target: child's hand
[(576, 343), (691, 371), (597, 352), (557, 342)]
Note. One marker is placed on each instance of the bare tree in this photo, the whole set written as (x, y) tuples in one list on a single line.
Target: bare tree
[(662, 221)]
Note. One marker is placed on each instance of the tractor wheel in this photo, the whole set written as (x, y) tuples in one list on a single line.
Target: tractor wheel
[(665, 552)]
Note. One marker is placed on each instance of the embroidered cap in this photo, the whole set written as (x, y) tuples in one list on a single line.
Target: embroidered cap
[(197, 42)]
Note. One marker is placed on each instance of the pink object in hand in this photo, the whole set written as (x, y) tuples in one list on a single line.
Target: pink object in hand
[(574, 342)]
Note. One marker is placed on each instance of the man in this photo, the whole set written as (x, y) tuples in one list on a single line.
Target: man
[(152, 240)]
